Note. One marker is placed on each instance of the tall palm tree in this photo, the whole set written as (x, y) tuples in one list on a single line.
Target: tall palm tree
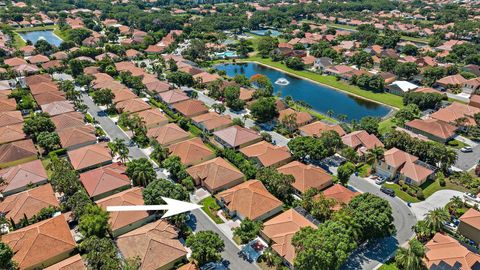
[(373, 156), (123, 152), (411, 258), (436, 218)]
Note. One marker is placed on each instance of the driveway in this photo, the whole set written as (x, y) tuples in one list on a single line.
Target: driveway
[(376, 252), (467, 161), (436, 200)]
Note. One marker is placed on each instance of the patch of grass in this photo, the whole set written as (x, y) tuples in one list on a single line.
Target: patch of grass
[(210, 206), (384, 98), (18, 41), (237, 240), (46, 162), (400, 193), (36, 28), (364, 170), (194, 130), (431, 186), (386, 126), (388, 266), (314, 113), (456, 144)]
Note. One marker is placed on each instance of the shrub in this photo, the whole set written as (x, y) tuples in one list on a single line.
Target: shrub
[(420, 195), (188, 183)]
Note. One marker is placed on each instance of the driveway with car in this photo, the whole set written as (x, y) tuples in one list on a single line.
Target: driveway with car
[(467, 161)]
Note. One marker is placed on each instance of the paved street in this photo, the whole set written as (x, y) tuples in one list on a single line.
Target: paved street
[(371, 255), (467, 161), (201, 222), (438, 200)]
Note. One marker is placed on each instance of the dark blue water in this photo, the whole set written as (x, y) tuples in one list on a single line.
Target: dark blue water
[(47, 35), (320, 98)]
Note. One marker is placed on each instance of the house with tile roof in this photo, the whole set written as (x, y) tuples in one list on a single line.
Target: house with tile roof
[(157, 245), (18, 178), (236, 137), (452, 81), (455, 111), (280, 230), (89, 157), (77, 137), (444, 252), (7, 105), (122, 222), (41, 244), (433, 129), (12, 133), (301, 118), (211, 121), (49, 97), (168, 134), (316, 129), (361, 141), (250, 200), (397, 164), (105, 181), (28, 203), (132, 106), (42, 85), (192, 151), (267, 154), (10, 118), (470, 225), (306, 176), (341, 194), (153, 118), (122, 95), (190, 108), (58, 107), (215, 175), (17, 152), (172, 96), (73, 263), (68, 120)]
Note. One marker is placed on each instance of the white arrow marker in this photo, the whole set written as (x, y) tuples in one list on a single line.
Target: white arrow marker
[(173, 207)]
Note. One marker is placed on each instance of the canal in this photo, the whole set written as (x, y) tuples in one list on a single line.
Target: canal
[(321, 98)]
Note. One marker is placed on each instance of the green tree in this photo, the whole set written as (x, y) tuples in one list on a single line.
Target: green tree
[(180, 78), (410, 49), (6, 257), (159, 153), (369, 124), (266, 45), (63, 178), (232, 97), (103, 97), (362, 59), (374, 155), (100, 253), (406, 70), (48, 141), (141, 171), (39, 122), (163, 188), (294, 63), (411, 258), (175, 166), (78, 203), (206, 246), (279, 184), (407, 113), (94, 221), (388, 64), (436, 218), (244, 47), (248, 230), (432, 74), (264, 109), (345, 171), (119, 147)]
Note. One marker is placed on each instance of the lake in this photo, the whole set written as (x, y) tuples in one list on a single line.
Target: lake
[(321, 98), (264, 32), (46, 35)]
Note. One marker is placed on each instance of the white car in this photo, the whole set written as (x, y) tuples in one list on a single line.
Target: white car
[(467, 149), (471, 197)]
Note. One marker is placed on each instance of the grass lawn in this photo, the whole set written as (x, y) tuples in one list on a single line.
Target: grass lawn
[(210, 206), (386, 126), (36, 28), (400, 193), (45, 163), (456, 144), (431, 187), (18, 41), (385, 98), (194, 130), (314, 113), (364, 170), (388, 266)]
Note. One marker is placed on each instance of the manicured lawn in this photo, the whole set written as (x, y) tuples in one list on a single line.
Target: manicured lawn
[(431, 187), (386, 126), (36, 28), (314, 113), (385, 98), (364, 170), (210, 206), (194, 130), (388, 266), (400, 193), (263, 265), (18, 41), (456, 144)]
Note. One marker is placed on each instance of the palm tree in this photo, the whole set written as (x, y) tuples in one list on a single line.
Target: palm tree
[(373, 156), (123, 152), (436, 218), (330, 113), (159, 153), (411, 258), (118, 147)]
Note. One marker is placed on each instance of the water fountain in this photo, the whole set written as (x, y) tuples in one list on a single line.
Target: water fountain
[(282, 81)]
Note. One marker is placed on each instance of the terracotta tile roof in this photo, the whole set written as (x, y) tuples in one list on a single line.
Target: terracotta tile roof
[(153, 84), (190, 107), (191, 151), (112, 85), (89, 156), (104, 179), (123, 94), (153, 117), (206, 77), (10, 118), (281, 229), (43, 87), (435, 127), (36, 79), (75, 136), (173, 96), (456, 79), (73, 263), (168, 134), (444, 251), (36, 59), (267, 153), (212, 120), (318, 127), (399, 159), (28, 203), (58, 107), (236, 135), (455, 111), (361, 140), (472, 218), (302, 118), (15, 61), (339, 193), (20, 176), (60, 55), (17, 150), (68, 120), (306, 176), (427, 90), (395, 157), (49, 97), (132, 105), (215, 173), (156, 244), (26, 69), (250, 199), (8, 105), (188, 266), (40, 243), (12, 133), (131, 196)]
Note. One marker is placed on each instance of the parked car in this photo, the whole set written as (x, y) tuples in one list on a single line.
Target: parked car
[(471, 197), (466, 149), (390, 192), (380, 180), (103, 139)]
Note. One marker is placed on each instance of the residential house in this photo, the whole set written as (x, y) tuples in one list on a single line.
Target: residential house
[(17, 152), (190, 108), (457, 114), (168, 134), (192, 151), (301, 118), (10, 118), (322, 63), (18, 178), (7, 105), (132, 106), (236, 137), (469, 225), (397, 164), (73, 263), (105, 181), (306, 176), (250, 200), (122, 222), (471, 86), (361, 141), (215, 175), (157, 245), (475, 101), (280, 230), (433, 129), (76, 137), (211, 121), (68, 120), (452, 81), (267, 154), (153, 118), (41, 244), (444, 252), (401, 87), (12, 133), (341, 194), (89, 157), (58, 107), (172, 96), (28, 203), (316, 129)]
